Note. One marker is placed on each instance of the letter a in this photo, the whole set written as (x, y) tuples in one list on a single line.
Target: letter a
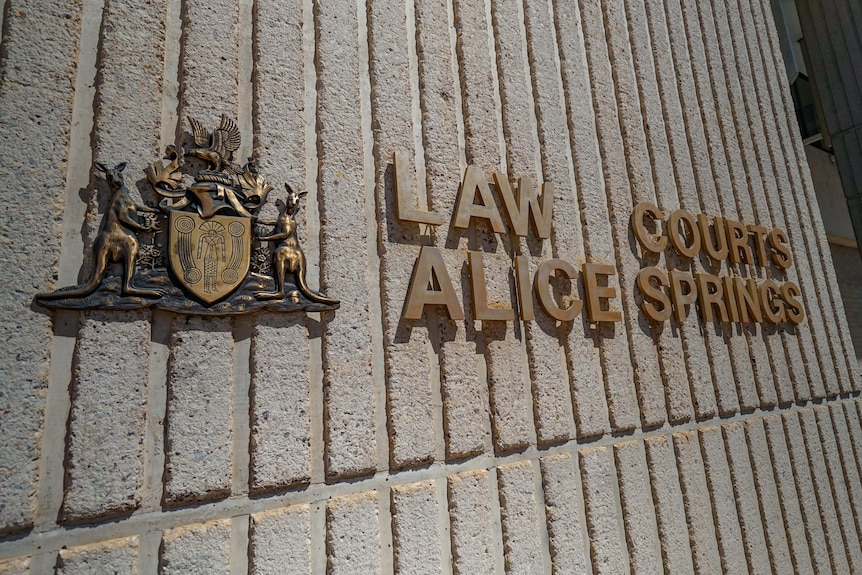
[(422, 292), (474, 180)]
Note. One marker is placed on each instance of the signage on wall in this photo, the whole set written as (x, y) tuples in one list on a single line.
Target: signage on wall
[(211, 262), (680, 235)]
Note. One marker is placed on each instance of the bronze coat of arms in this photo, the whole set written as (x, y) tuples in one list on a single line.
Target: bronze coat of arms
[(204, 265)]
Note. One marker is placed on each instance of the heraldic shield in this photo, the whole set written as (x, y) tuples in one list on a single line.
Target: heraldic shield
[(209, 257)]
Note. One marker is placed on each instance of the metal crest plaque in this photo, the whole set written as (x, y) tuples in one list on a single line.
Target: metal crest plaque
[(204, 263)]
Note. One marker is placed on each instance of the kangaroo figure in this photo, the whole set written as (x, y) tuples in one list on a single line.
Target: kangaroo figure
[(288, 256), (116, 240)]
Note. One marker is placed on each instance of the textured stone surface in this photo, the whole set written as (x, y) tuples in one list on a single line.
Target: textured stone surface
[(669, 506), (15, 567), (745, 496), (106, 466), (199, 434), (353, 535), (347, 359), (473, 541), (607, 542), (35, 115), (696, 501), (463, 387), (564, 510), (638, 508), (197, 549), (355, 442), (281, 413), (117, 557), (281, 542), (723, 507), (522, 540), (415, 528), (408, 364)]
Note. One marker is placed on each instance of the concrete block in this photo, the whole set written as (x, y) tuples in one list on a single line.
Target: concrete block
[(15, 567), (746, 498), (723, 501), (470, 514), (820, 537), (353, 534), (281, 407), (118, 557), (639, 517), (522, 523), (696, 501), (819, 421), (347, 357), (776, 524), (36, 103), (604, 524), (564, 513), (106, 464), (197, 549), (669, 506), (199, 426), (280, 542), (415, 528)]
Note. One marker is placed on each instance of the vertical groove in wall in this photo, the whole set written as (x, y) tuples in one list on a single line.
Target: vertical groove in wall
[(804, 257), (51, 450), (674, 356), (466, 428), (351, 395), (699, 357), (239, 545), (243, 329), (773, 378), (284, 410), (579, 353), (799, 345), (794, 154), (408, 370)]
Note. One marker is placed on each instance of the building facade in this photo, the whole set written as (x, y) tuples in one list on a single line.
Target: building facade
[(635, 405)]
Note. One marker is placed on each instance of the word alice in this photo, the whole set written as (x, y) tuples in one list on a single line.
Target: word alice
[(725, 298)]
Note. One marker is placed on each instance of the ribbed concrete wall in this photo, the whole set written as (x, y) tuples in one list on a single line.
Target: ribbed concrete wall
[(358, 442)]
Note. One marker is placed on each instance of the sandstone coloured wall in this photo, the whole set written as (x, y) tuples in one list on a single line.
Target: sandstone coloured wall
[(358, 442)]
